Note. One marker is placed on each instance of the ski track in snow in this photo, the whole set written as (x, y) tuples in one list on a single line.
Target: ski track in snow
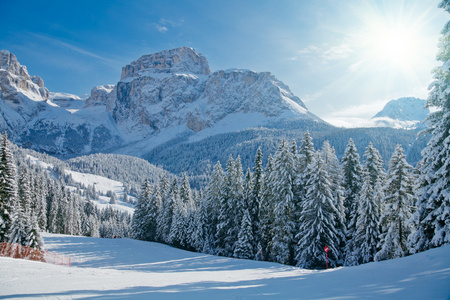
[(130, 269)]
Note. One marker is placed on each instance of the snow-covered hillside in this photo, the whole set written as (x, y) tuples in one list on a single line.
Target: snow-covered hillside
[(101, 184), (130, 269)]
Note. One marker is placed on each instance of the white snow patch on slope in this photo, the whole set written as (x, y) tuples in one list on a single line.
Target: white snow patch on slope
[(130, 269), (100, 183)]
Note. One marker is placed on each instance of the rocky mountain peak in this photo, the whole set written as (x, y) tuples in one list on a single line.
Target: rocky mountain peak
[(99, 95), (179, 60), (8, 62), (15, 80)]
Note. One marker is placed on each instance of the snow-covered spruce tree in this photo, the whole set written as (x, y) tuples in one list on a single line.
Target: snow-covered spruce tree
[(352, 172), (210, 207), (433, 213), (231, 208), (244, 247), (334, 170), (256, 197), (169, 208), (395, 221), (367, 233), (40, 194), (305, 157), (138, 225), (282, 185), (266, 216), (163, 191), (238, 201), (24, 190), (177, 233), (317, 221), (153, 208), (18, 232), (8, 188), (373, 165)]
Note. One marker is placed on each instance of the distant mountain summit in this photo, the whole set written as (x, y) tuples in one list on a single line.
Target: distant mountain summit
[(407, 113)]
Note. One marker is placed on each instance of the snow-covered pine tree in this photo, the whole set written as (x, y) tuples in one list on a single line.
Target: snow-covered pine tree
[(249, 203), (334, 170), (433, 213), (163, 191), (18, 232), (395, 221), (282, 189), (266, 215), (210, 207), (367, 233), (153, 207), (24, 190), (256, 196), (353, 173), (169, 208), (8, 188), (244, 247), (306, 152), (373, 165), (236, 191), (317, 221), (40, 194), (177, 234), (138, 225)]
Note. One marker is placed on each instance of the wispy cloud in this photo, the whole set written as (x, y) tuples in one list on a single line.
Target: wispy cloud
[(79, 50), (325, 53), (160, 28), (164, 25)]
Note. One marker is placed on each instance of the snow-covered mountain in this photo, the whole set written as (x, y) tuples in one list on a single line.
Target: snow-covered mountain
[(160, 97), (171, 110), (406, 113)]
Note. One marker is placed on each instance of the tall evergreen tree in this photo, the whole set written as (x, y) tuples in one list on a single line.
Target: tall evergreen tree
[(367, 233), (373, 165), (282, 189), (139, 223), (399, 199), (266, 215), (433, 214), (244, 245), (8, 188), (210, 206), (317, 221), (334, 171), (352, 172), (256, 196)]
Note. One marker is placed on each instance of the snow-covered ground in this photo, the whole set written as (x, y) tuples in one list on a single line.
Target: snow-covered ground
[(130, 269)]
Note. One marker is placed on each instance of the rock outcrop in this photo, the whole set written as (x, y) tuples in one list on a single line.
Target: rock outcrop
[(99, 95)]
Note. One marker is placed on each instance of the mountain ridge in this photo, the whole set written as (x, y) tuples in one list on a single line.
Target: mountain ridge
[(166, 102)]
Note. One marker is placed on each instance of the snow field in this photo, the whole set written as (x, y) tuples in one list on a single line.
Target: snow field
[(131, 269)]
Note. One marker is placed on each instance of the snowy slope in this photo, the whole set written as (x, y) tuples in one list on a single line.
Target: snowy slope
[(101, 184), (130, 269)]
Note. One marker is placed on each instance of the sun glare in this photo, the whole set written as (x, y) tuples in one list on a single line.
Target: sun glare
[(394, 46)]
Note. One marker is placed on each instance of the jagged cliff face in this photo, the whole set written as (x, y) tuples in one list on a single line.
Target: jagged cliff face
[(160, 97), (14, 80), (50, 123), (176, 88)]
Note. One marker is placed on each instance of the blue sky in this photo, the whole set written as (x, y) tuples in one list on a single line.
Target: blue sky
[(328, 52)]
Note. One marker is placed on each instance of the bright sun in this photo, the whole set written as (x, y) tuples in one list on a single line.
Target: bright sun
[(396, 46)]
